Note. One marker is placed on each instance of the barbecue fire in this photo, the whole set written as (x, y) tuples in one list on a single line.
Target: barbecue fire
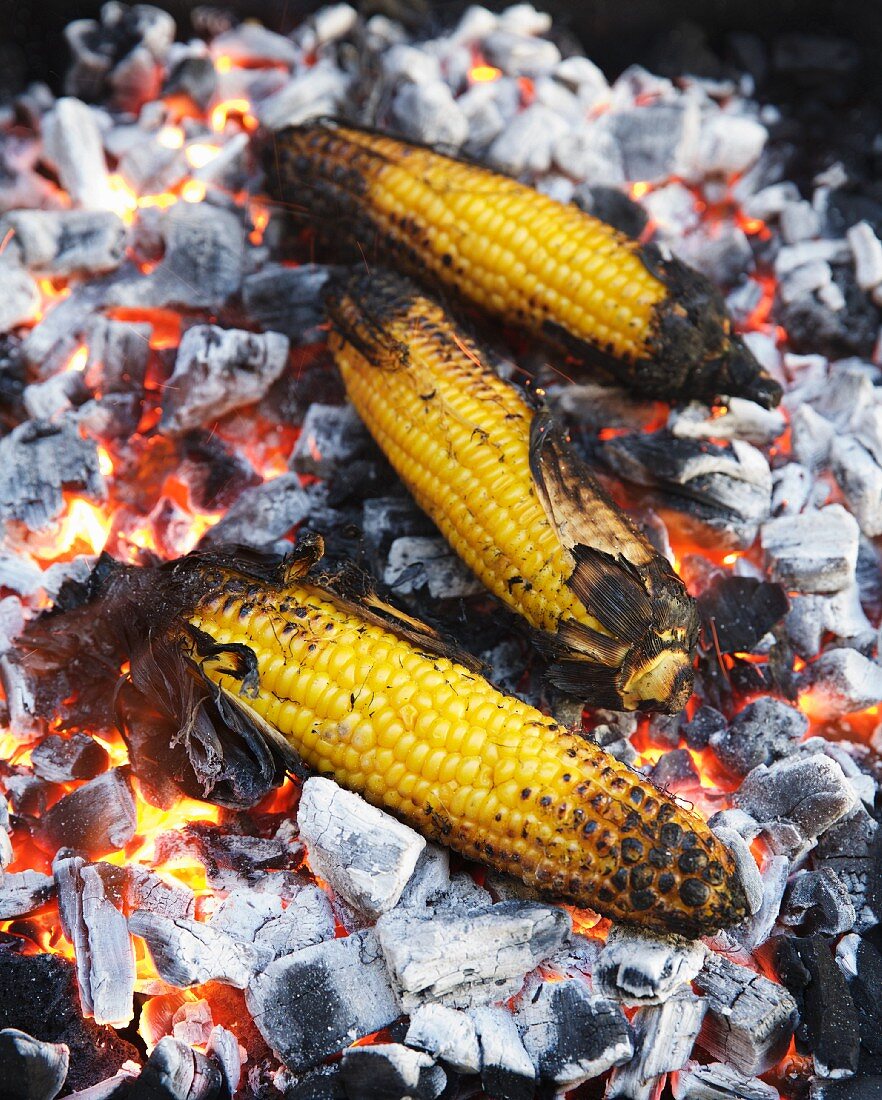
[(193, 257)]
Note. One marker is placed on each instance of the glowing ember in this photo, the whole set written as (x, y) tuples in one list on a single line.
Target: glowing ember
[(239, 109), (84, 529), (482, 74)]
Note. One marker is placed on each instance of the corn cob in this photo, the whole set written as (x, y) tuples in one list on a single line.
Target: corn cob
[(379, 703), (512, 500), (651, 324)]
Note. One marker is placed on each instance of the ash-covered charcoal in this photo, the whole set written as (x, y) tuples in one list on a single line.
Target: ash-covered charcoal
[(20, 295), (218, 370), (841, 681), (607, 203), (811, 617), (592, 407), (428, 113), (727, 487), (263, 514), (740, 419), (38, 995), (449, 1035), (818, 902), (718, 1081), (30, 1069), (860, 478), (861, 964), (639, 968), (202, 266), (59, 759), (467, 959), (365, 854), (312, 1003), (507, 1071), (61, 243), (747, 870), (188, 952), (38, 461), (814, 551), (385, 519), (21, 892), (657, 141), (222, 1048), (331, 437), (147, 890), (72, 146), (828, 1025), (230, 860), (809, 792), (289, 300), (704, 724), (571, 1034), (763, 732), (852, 848), (749, 1020), (430, 882), (98, 48), (664, 1036), (118, 355), (391, 1071), (48, 400), (97, 818), (674, 770), (316, 93), (416, 563), (175, 1071), (90, 904), (250, 917)]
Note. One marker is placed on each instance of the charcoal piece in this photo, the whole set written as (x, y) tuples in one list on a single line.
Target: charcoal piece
[(146, 890), (215, 473), (463, 960), (717, 1081), (230, 860), (20, 301), (49, 345), (674, 769), (657, 141), (507, 1072), (812, 552), (96, 818), (390, 1071), (640, 968), (428, 563), (222, 1048), (250, 917), (67, 242), (811, 617), (828, 1024), (854, 1088), (386, 519), (861, 964), (57, 395), (72, 144), (202, 266), (738, 611), (58, 759), (21, 892), (763, 732), (571, 1034), (448, 1035), (323, 1083), (187, 952), (330, 438), (315, 93), (195, 77), (38, 461), (430, 880), (288, 300), (612, 206), (859, 476), (749, 1020), (818, 902), (174, 1071), (29, 1069), (727, 487), (704, 724), (841, 681), (663, 1039), (757, 929), (365, 854), (810, 792), (118, 355), (263, 514), (38, 995), (218, 370), (746, 868), (593, 407), (312, 1003)]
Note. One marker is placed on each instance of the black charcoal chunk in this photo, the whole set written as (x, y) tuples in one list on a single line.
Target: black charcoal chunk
[(175, 1071), (750, 1019), (288, 300), (507, 1071), (861, 963), (39, 460), (312, 1003), (853, 1088), (572, 1034), (829, 1025), (742, 610), (765, 731), (613, 207), (330, 438), (60, 759), (674, 769), (704, 724), (96, 818), (818, 902), (263, 514), (30, 1069), (390, 1071)]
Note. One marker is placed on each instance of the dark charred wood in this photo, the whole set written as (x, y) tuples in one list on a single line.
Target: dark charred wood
[(96, 818), (738, 611), (59, 760)]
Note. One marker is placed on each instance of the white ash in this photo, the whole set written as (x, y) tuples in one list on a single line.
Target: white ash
[(757, 929), (365, 854), (390, 1070), (69, 242), (21, 892), (506, 1068), (147, 890), (571, 1034), (791, 489), (310, 1004), (718, 1081), (415, 562), (50, 399), (860, 478), (223, 1050), (188, 952), (672, 210), (175, 1069), (867, 251), (463, 960), (428, 113), (526, 143), (811, 436), (740, 419), (72, 145), (811, 617), (251, 42), (664, 1036), (31, 1068), (641, 968), (724, 257), (794, 256), (802, 281), (657, 141), (19, 294), (750, 1019), (218, 370), (312, 94), (520, 54), (448, 1035), (799, 221), (842, 681), (814, 551)]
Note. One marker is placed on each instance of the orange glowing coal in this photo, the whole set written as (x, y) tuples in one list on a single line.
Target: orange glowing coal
[(483, 74), (83, 529), (238, 109)]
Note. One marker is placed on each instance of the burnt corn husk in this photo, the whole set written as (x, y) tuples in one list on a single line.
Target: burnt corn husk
[(651, 324), (512, 498)]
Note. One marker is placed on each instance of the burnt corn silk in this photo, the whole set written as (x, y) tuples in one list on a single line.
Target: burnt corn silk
[(650, 324), (380, 703), (513, 500)]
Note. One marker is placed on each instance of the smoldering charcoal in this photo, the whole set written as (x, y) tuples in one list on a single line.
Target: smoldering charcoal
[(168, 383)]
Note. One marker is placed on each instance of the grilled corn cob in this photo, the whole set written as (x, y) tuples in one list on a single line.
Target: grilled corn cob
[(653, 325), (512, 500), (378, 702)]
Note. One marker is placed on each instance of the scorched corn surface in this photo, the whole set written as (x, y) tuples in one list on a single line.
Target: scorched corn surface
[(654, 325), (379, 703), (512, 498)]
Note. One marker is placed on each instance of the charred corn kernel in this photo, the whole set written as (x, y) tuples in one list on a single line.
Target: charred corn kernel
[(510, 499), (652, 324), (525, 795)]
